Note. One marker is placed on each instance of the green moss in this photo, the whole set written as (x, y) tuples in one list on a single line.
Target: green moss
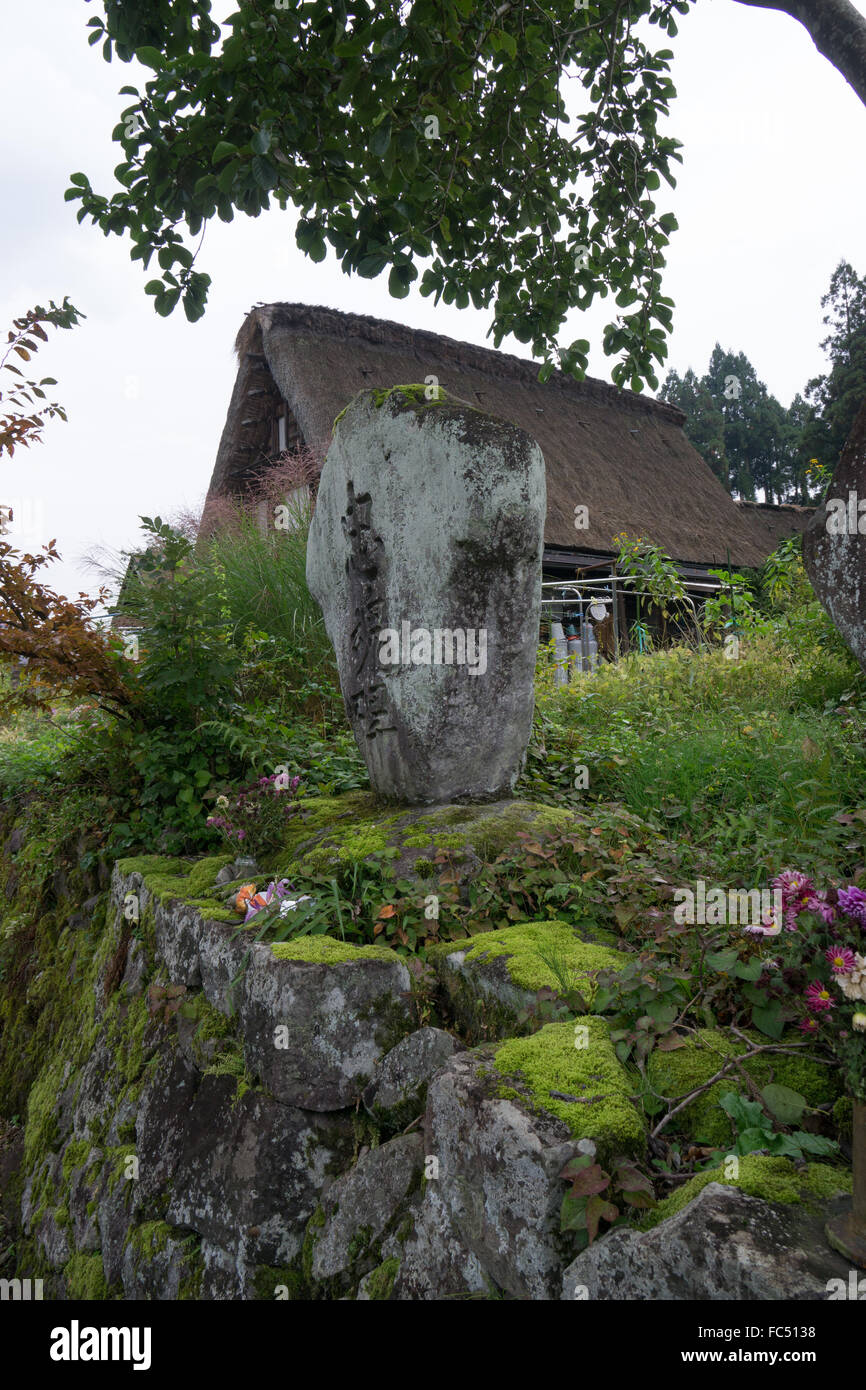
[(214, 1033), (150, 865), (675, 1074), (85, 1278), (117, 1164), (311, 1235), (40, 1133), (843, 1117), (230, 1064), (325, 950), (543, 955), (424, 868), (549, 1062), (202, 874), (189, 1287), (774, 1179), (359, 1243), (151, 1238), (270, 1282), (75, 1155), (415, 392), (381, 1281), (329, 832)]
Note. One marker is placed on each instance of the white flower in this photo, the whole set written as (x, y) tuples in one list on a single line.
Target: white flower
[(853, 985), (859, 1022), (289, 904)]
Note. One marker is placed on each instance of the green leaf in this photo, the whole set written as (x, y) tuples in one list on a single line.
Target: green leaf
[(264, 172), (572, 1214), (770, 1020), (398, 285), (503, 43), (750, 1140), (815, 1143), (723, 961), (785, 1104), (381, 139), (224, 150), (744, 1113), (748, 970), (261, 141), (149, 57)]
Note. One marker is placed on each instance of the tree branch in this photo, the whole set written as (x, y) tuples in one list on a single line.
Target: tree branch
[(837, 29)]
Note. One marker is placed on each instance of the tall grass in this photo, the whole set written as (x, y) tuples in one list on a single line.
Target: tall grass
[(751, 760), (261, 572)]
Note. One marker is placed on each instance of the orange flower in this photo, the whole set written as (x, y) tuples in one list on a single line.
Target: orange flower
[(244, 894)]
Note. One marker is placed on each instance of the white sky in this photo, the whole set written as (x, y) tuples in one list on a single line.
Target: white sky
[(769, 199)]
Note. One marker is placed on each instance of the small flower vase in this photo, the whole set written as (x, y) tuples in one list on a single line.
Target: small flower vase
[(847, 1233)]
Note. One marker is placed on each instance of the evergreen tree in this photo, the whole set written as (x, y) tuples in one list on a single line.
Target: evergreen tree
[(836, 397), (705, 422), (741, 431)]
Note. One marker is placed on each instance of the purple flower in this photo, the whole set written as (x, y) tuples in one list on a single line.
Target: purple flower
[(852, 901)]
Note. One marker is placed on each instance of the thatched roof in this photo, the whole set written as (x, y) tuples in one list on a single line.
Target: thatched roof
[(621, 455), (772, 523)]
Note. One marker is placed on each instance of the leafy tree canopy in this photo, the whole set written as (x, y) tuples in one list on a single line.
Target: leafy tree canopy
[(432, 134)]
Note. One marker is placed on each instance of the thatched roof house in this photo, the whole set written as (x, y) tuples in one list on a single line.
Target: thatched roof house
[(622, 456)]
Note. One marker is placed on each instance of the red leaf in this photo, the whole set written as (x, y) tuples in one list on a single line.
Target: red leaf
[(597, 1209)]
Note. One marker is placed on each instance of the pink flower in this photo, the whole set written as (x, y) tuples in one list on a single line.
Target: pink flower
[(841, 959), (808, 1025), (794, 886), (818, 998), (818, 903), (799, 894)]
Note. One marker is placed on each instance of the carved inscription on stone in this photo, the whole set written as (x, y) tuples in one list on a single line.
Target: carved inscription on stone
[(367, 696)]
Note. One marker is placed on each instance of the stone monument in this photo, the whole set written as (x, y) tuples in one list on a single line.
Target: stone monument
[(834, 544), (425, 556)]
